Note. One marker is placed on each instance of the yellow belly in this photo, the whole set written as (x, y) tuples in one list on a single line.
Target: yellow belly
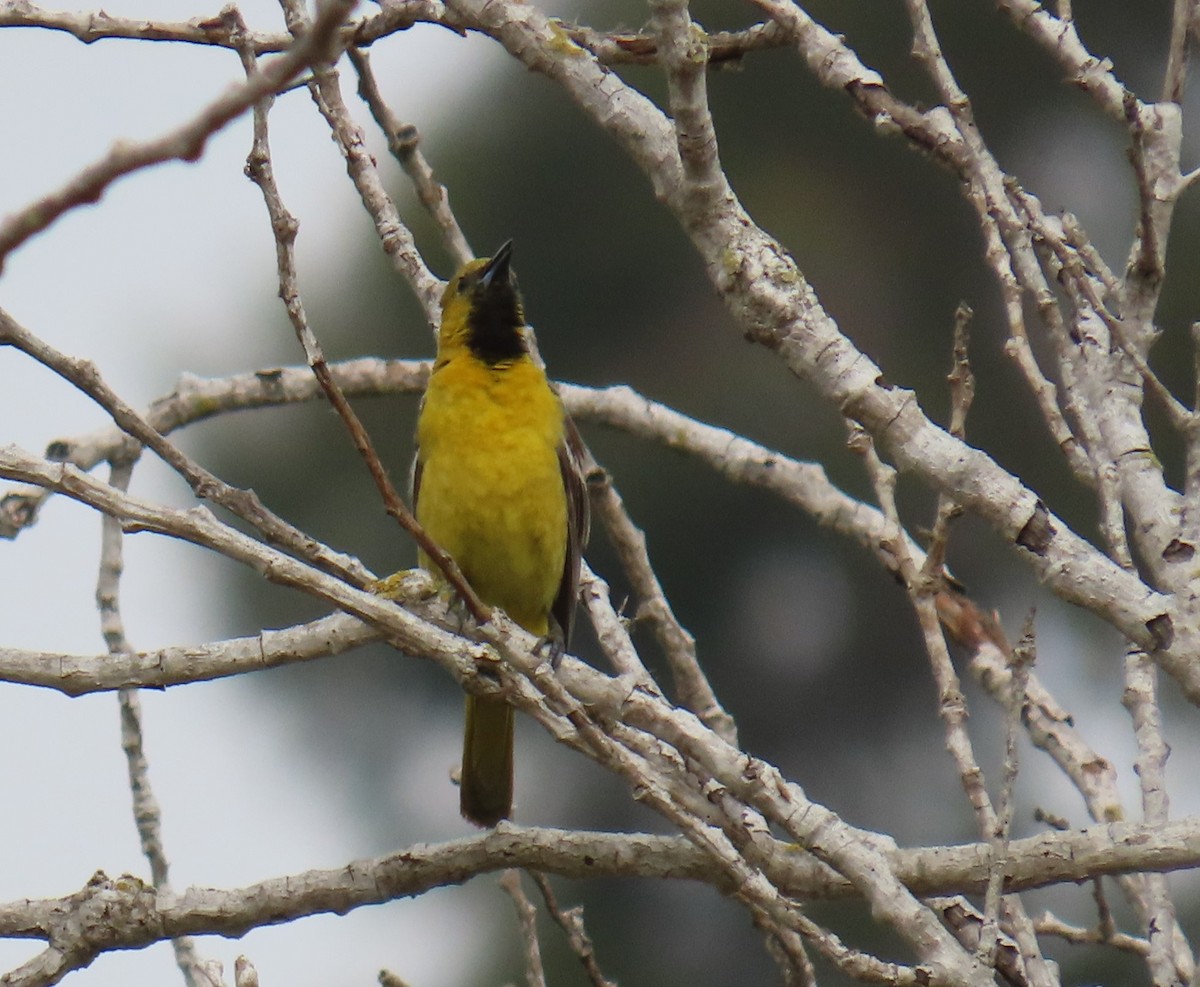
[(491, 489)]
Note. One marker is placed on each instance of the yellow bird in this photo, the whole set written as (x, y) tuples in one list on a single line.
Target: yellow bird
[(498, 484)]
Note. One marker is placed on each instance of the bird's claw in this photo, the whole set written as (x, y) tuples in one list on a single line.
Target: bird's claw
[(551, 648)]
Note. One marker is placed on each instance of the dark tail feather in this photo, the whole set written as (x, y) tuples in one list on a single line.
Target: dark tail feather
[(487, 762)]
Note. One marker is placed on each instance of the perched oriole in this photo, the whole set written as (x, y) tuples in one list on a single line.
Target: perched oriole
[(497, 483)]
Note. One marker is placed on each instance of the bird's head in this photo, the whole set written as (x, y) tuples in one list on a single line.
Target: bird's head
[(482, 311)]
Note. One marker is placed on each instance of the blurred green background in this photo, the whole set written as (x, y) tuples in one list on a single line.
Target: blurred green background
[(807, 642)]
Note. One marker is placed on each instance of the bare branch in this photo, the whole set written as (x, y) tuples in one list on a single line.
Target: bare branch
[(774, 305), (1059, 38), (510, 882), (147, 814), (570, 920), (923, 586), (683, 50), (185, 143), (1034, 862), (197, 399), (616, 48), (643, 49), (530, 684), (1182, 12), (802, 484), (1170, 957), (678, 645), (206, 485), (92, 26), (285, 228), (1048, 925), (394, 236), (404, 143), (745, 828), (79, 675)]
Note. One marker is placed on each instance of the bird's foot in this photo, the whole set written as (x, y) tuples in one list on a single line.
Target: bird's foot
[(550, 648)]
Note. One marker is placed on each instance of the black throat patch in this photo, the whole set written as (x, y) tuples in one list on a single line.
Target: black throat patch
[(496, 320)]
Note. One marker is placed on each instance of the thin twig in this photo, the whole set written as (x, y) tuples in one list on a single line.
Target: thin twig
[(285, 228), (570, 920), (186, 143), (1048, 925), (952, 706), (394, 236), (1105, 923), (795, 967), (535, 973), (205, 484), (611, 629), (197, 399), (679, 647), (615, 48), (1034, 965), (1189, 525), (1170, 958), (1091, 286), (404, 142), (925, 585), (1175, 77), (146, 811), (1059, 39)]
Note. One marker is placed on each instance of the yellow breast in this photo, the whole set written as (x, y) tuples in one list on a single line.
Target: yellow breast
[(491, 491)]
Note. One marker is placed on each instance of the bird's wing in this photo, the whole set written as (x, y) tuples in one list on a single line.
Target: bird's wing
[(414, 479), (572, 459)]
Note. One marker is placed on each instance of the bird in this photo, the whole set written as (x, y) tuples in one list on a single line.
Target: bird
[(498, 483)]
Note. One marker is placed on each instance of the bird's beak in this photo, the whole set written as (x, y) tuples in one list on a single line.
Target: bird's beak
[(496, 269)]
